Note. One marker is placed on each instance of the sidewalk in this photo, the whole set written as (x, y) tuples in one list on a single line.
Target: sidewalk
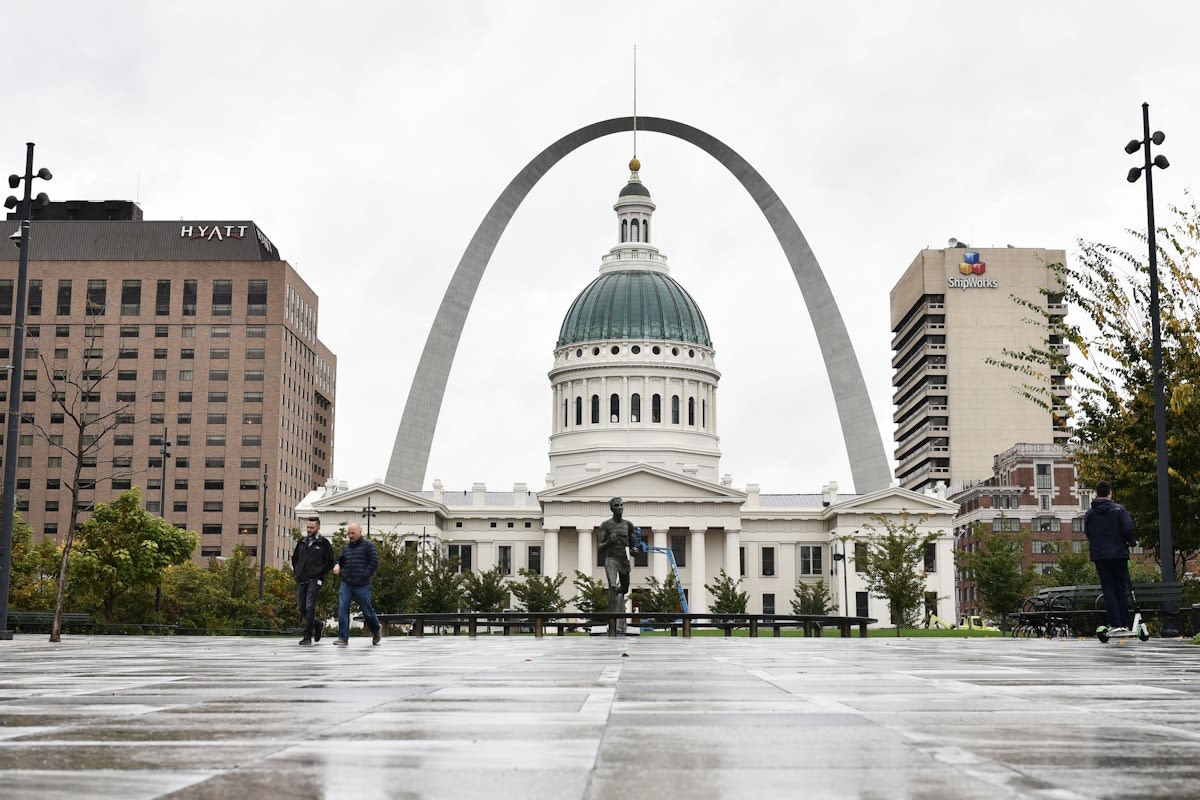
[(629, 719)]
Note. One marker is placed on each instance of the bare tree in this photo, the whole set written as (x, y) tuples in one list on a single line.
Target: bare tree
[(88, 423)]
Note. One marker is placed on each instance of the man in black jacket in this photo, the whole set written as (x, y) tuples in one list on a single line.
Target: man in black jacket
[(311, 560), (1109, 529), (356, 564)]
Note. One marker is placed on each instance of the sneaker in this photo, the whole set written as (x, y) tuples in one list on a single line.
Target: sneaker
[(317, 634), (306, 640), (341, 642), (375, 637)]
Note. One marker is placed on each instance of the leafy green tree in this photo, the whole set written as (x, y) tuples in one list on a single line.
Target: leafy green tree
[(1001, 581), (439, 583), (34, 568), (812, 598), (394, 586), (592, 593), (660, 597), (486, 591), (894, 567), (1103, 349), (123, 547), (540, 592), (726, 597), (1075, 569)]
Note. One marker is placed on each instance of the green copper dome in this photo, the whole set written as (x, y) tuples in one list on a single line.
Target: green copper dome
[(633, 304), (635, 189)]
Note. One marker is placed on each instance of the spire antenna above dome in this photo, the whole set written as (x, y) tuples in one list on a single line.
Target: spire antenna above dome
[(634, 161)]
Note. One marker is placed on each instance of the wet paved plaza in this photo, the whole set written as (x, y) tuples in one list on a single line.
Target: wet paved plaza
[(497, 717)]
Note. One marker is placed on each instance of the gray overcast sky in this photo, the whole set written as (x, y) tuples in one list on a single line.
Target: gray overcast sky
[(368, 140)]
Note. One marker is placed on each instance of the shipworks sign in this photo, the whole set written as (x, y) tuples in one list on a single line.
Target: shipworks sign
[(973, 271)]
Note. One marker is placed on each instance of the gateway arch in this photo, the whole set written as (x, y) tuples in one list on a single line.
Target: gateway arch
[(860, 430)]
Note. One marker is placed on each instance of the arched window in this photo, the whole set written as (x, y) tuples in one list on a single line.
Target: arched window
[(578, 410), (692, 411), (675, 409), (624, 230), (614, 408), (646, 230), (634, 231), (595, 409), (635, 408), (656, 408), (704, 414), (566, 413)]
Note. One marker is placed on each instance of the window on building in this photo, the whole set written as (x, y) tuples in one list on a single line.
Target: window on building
[(656, 408), (635, 408), (33, 304), (218, 397), (256, 354), (214, 505), (595, 409), (256, 332), (256, 298), (179, 506), (860, 604), (462, 552), (768, 603), (248, 484), (251, 462), (691, 411), (162, 297), (504, 559), (931, 557), (1008, 524), (675, 409), (810, 559), (252, 397), (248, 506), (210, 551), (222, 298), (768, 562), (97, 296), (860, 556), (217, 418), (248, 529), (212, 462), (190, 291), (679, 549), (131, 297), (1044, 476), (64, 300), (1043, 524), (535, 559), (614, 408), (1077, 525)]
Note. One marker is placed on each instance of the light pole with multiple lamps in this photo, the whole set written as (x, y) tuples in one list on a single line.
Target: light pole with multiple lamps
[(12, 434), (1166, 539), (841, 558)]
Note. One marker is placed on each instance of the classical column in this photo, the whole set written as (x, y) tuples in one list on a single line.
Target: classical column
[(660, 567), (697, 594), (550, 554), (733, 562), (587, 552)]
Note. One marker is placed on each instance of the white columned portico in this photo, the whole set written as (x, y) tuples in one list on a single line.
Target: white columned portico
[(733, 561), (550, 556), (660, 567), (697, 599), (587, 552)]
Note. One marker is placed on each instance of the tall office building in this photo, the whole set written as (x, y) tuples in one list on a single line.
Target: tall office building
[(951, 311), (196, 330)]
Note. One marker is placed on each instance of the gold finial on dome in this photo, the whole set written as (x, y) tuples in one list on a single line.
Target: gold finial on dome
[(634, 165)]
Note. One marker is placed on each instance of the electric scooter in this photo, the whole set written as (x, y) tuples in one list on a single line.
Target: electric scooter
[(1138, 629)]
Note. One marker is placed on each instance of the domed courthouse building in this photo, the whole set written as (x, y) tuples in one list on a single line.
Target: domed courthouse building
[(634, 384)]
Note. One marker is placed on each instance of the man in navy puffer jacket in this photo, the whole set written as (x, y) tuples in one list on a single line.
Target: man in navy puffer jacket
[(1109, 529), (356, 565)]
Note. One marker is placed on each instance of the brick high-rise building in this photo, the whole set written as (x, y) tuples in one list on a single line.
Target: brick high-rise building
[(199, 329)]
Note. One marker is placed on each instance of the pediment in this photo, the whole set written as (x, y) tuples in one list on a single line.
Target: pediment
[(382, 497), (893, 500), (641, 482)]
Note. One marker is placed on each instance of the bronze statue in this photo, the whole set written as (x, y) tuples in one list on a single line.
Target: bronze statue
[(616, 537)]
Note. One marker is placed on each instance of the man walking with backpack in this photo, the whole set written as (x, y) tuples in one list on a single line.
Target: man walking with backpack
[(1109, 529)]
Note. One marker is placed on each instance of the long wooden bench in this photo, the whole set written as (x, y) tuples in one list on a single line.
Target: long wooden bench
[(29, 621), (1078, 610), (678, 624)]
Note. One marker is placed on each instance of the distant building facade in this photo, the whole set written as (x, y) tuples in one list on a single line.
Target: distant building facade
[(195, 329), (951, 310), (1033, 491)]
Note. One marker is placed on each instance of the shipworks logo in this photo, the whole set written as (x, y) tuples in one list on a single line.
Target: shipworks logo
[(973, 267)]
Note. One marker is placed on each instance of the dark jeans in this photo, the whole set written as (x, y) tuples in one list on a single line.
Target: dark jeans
[(306, 601), (361, 595), (1114, 582)]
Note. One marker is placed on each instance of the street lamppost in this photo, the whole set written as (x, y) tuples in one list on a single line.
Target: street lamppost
[(165, 450), (368, 511), (841, 557), (1166, 540), (11, 436)]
